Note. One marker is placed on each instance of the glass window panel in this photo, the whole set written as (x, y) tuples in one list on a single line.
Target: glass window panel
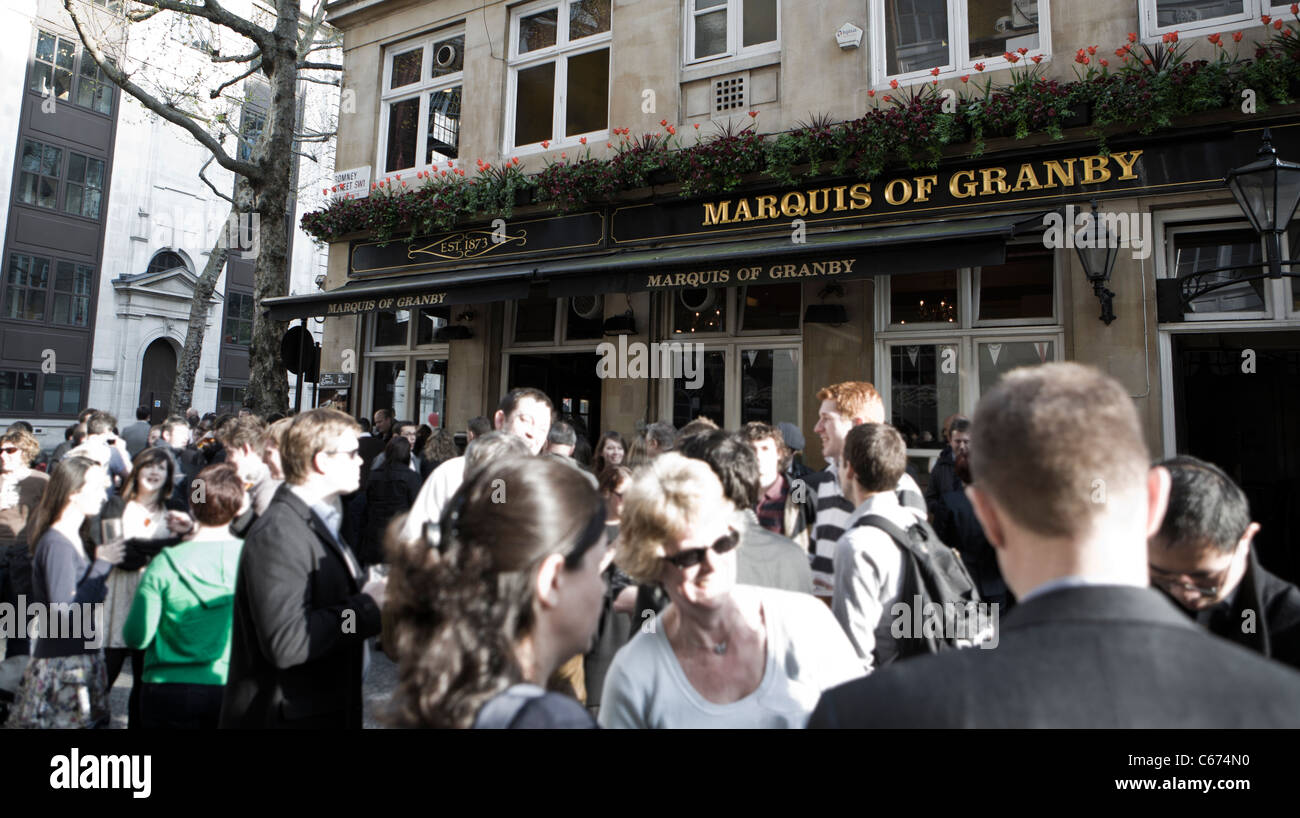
[(403, 130), (699, 311), (95, 172), (430, 321), (63, 275), (406, 67), (1205, 250), (45, 47), (770, 307), (1293, 244), (1020, 288), (51, 161), (996, 360), (388, 387), (64, 54), (62, 309), (94, 90), (588, 17), (534, 106), (430, 389), (31, 161), (710, 34), (392, 328), (585, 328), (588, 98), (996, 26), (25, 290), (72, 199), (760, 22), (535, 320), (923, 298), (916, 35), (18, 391), (709, 399), (924, 389), (76, 168), (444, 126), (1184, 12), (448, 56), (537, 31), (769, 385), (701, 5), (90, 205)]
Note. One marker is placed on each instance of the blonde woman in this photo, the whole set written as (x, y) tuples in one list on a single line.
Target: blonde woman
[(721, 654)]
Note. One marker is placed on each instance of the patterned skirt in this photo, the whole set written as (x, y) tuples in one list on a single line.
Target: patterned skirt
[(62, 692)]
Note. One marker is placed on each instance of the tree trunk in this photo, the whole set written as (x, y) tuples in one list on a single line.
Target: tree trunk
[(192, 354)]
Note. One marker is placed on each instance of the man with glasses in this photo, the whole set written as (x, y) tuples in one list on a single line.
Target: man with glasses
[(1202, 558), (303, 609)]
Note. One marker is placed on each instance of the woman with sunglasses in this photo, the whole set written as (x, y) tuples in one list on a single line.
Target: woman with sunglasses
[(721, 654), (511, 591)]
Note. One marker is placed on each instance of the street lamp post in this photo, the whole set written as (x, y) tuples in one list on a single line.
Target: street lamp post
[(1267, 191)]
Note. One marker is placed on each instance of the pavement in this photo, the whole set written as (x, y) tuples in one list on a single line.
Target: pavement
[(376, 691)]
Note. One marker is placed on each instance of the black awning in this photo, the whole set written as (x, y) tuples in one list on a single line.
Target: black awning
[(407, 292), (909, 248), (844, 254)]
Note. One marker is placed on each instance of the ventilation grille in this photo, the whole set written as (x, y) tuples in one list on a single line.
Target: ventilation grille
[(729, 94)]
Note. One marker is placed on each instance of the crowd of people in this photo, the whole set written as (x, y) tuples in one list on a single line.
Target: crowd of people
[(693, 577)]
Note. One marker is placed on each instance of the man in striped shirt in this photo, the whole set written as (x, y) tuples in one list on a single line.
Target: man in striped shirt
[(843, 406)]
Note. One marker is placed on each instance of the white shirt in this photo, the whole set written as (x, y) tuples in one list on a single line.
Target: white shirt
[(869, 579), (806, 655), (433, 497)]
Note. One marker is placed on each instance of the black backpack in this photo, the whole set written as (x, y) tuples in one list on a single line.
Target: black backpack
[(942, 606)]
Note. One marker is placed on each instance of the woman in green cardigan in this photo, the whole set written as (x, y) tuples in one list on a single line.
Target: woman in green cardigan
[(182, 611)]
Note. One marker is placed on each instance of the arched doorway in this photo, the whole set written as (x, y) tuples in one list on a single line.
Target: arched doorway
[(157, 377)]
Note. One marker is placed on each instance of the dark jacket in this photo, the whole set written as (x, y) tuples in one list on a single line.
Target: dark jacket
[(299, 625), (1099, 656), (943, 479), (186, 465), (956, 524), (1263, 615), (391, 492)]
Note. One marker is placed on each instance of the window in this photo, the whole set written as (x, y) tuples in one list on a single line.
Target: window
[(25, 287), (38, 183), (727, 28), (911, 38), (947, 337), (165, 260), (422, 101), (41, 170), (1220, 254), (18, 392), (239, 319), (750, 364), (114, 6), (28, 286), (94, 91), (72, 294), (251, 123), (58, 60), (559, 72), (1194, 16), (407, 368), (52, 68), (84, 192), (61, 395), (230, 399)]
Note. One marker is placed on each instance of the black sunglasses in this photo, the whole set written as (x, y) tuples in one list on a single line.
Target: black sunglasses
[(694, 556)]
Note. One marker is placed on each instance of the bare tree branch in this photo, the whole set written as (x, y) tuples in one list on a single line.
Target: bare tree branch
[(141, 16), (162, 109), (318, 66), (216, 57), (335, 82), (210, 185), (253, 69), (212, 10)]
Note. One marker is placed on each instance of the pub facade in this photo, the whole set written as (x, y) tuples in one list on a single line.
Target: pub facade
[(740, 305)]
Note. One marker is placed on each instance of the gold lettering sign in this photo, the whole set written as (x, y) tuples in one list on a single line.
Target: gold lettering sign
[(979, 183), (469, 244)]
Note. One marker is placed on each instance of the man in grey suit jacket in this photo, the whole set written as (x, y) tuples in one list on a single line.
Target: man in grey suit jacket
[(1090, 644), (137, 434)]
